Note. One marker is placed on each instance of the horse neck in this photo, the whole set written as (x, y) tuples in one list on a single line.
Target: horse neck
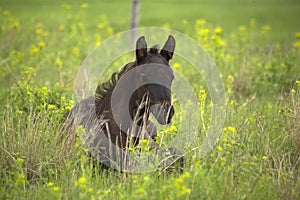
[(104, 109)]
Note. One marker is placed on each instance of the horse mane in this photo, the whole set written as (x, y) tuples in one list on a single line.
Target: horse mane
[(104, 88)]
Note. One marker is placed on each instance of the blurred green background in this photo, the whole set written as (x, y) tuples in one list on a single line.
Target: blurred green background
[(282, 15)]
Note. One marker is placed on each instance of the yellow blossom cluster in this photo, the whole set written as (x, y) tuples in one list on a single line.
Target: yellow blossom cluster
[(211, 39), (297, 43)]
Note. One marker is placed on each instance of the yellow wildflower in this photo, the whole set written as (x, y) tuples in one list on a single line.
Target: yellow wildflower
[(29, 72), (219, 148), (232, 102), (82, 180), (218, 30), (68, 108), (201, 22), (45, 33), (298, 35), (16, 25), (110, 30), (214, 38), (39, 31), (203, 32), (50, 184), (173, 128), (75, 51), (51, 107), (20, 160), (101, 25), (41, 45), (265, 30), (186, 175), (144, 142), (146, 178), (6, 13), (230, 78), (242, 28), (221, 43), (84, 6), (71, 102), (55, 189), (297, 45), (202, 96), (293, 91), (185, 190), (34, 49), (44, 88), (202, 92), (178, 182), (231, 129), (80, 25), (223, 163), (176, 66), (20, 54), (62, 28), (58, 61), (21, 179), (140, 190)]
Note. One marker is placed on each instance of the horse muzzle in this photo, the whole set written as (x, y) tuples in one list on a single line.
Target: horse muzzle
[(163, 112)]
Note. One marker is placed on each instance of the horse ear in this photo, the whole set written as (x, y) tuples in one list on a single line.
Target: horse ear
[(168, 50), (141, 48)]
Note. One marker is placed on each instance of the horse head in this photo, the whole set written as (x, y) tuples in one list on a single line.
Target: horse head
[(155, 76)]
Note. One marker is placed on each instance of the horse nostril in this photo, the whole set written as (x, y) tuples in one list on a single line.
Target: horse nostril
[(171, 113), (171, 110)]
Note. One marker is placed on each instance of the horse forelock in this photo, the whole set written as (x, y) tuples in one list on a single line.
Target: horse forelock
[(154, 49)]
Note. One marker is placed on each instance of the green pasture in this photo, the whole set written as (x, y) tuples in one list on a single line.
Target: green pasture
[(281, 15), (255, 46)]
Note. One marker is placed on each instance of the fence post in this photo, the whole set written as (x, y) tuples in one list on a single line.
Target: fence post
[(134, 22)]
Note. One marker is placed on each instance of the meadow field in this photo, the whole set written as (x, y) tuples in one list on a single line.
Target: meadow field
[(254, 44)]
